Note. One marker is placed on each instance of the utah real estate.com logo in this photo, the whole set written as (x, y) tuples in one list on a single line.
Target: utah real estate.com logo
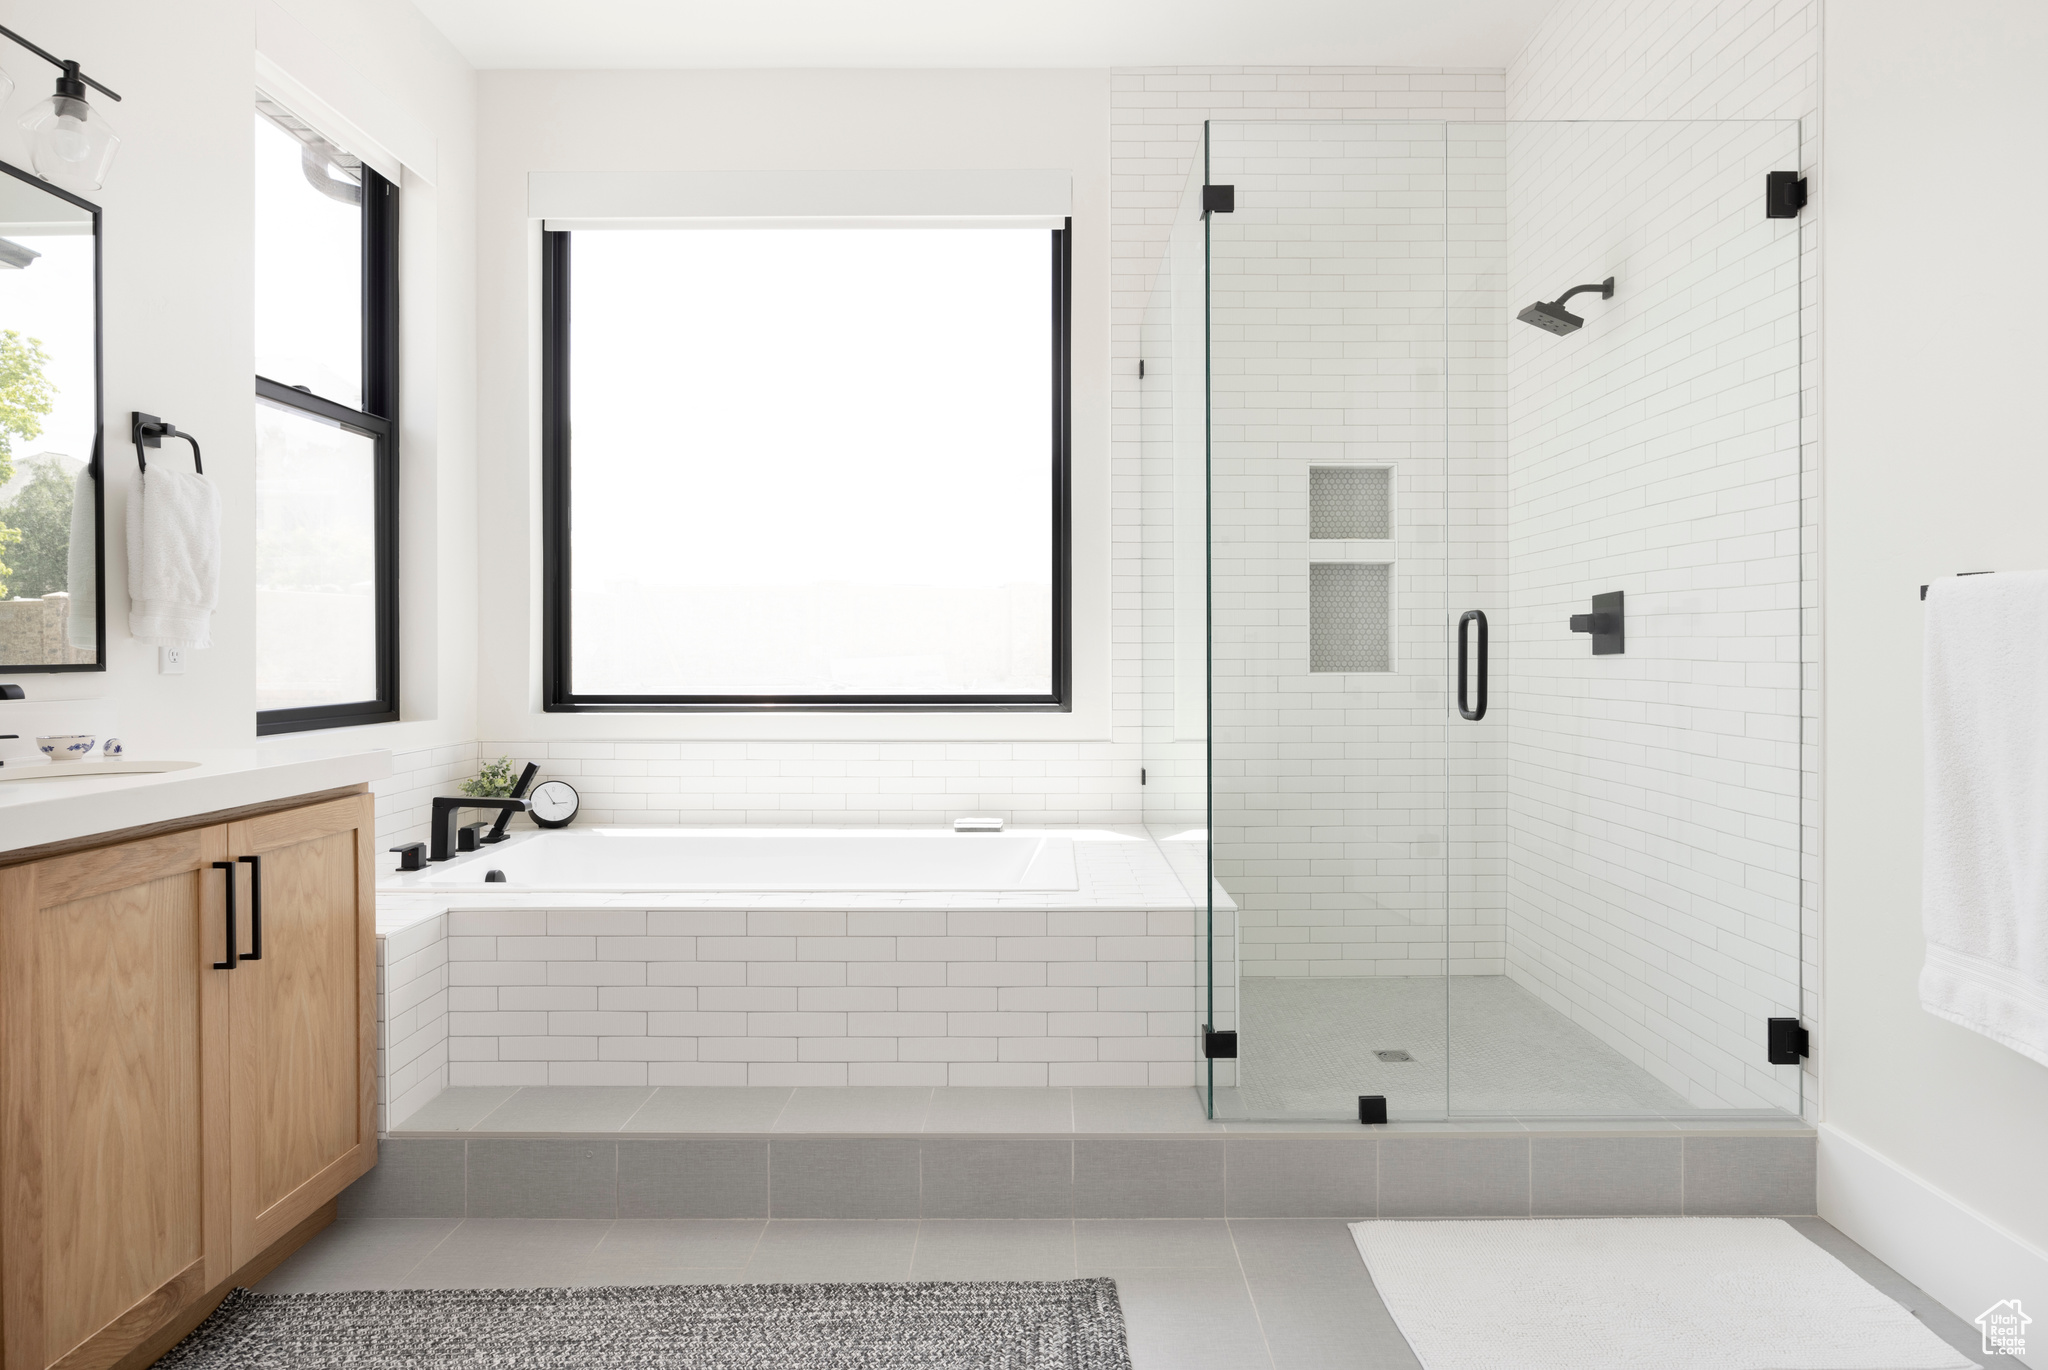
[(2004, 1325)]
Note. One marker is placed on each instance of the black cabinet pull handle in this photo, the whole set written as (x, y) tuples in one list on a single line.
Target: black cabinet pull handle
[(255, 952), (229, 868), (1464, 705)]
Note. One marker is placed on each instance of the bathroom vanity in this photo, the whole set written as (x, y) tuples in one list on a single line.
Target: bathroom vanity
[(187, 1048)]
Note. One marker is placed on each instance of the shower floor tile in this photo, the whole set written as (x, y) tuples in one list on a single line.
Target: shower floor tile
[(1307, 1049)]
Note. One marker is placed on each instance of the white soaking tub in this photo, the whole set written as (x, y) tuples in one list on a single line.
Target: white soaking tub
[(748, 860), (785, 956)]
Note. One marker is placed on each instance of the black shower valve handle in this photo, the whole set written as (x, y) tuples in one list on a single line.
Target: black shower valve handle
[(1593, 623)]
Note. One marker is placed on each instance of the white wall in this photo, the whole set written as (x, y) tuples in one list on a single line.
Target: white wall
[(178, 322), (1935, 464), (729, 768)]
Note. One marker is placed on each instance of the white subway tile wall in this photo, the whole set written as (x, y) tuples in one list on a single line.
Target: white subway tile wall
[(405, 797), (845, 784), (1653, 796), (412, 1018), (1332, 874), (902, 996), (1355, 250), (1742, 839)]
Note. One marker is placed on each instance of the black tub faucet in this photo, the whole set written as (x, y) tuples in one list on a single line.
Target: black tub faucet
[(447, 818)]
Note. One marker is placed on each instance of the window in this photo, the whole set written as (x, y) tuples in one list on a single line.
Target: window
[(816, 467), (326, 439)]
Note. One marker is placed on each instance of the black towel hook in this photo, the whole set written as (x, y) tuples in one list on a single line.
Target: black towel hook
[(150, 431)]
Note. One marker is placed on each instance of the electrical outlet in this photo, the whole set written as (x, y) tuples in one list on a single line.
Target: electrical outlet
[(170, 661)]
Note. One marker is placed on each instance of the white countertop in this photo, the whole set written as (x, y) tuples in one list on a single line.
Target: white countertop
[(33, 812)]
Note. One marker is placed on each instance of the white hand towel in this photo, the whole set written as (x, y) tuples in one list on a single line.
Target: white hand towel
[(173, 557), (81, 575), (1984, 883)]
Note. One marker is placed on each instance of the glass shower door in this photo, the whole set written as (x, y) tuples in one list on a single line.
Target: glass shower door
[(1627, 821), (1573, 891), (1173, 411), (1332, 554)]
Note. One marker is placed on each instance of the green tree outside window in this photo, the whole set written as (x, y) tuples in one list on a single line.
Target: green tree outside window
[(26, 396)]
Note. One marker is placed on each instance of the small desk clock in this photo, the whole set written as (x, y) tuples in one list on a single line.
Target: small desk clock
[(553, 803)]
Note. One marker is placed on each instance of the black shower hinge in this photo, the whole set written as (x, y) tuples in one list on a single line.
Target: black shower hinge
[(1784, 194), (1141, 368), (1787, 1042), (1219, 1046), (1219, 200)]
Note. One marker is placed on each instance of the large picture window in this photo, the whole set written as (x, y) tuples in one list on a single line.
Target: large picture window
[(326, 445), (818, 467)]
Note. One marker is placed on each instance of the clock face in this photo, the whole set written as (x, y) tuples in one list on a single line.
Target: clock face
[(553, 803)]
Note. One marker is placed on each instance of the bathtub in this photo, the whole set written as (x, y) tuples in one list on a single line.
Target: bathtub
[(783, 956), (760, 860)]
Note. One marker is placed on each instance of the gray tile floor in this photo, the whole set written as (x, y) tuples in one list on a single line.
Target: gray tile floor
[(1008, 1110), (1271, 1294), (1479, 1045)]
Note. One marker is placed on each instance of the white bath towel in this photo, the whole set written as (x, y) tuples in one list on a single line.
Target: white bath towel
[(81, 575), (173, 557), (1984, 881)]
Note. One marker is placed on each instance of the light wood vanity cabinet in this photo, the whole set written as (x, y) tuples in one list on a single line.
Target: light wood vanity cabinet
[(168, 1123)]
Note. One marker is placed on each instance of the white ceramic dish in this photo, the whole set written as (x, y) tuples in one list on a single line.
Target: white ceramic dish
[(66, 746)]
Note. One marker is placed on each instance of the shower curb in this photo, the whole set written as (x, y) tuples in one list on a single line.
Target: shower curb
[(1267, 1174)]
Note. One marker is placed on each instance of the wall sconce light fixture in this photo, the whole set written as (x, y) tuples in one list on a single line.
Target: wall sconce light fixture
[(70, 142)]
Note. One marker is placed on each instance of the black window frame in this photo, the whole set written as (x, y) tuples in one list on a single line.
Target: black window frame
[(558, 694), (378, 421)]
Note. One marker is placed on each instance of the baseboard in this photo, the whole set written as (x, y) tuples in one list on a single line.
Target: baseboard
[(1955, 1253)]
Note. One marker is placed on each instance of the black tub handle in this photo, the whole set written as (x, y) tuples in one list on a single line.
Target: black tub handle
[(229, 868), (1464, 704)]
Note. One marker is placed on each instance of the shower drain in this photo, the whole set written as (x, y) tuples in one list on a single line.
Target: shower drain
[(1395, 1055)]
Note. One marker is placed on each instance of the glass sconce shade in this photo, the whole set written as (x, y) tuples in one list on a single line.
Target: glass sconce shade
[(70, 142)]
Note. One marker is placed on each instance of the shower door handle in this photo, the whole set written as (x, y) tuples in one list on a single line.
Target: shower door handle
[(1465, 708)]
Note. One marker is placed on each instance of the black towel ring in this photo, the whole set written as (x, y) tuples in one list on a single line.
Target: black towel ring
[(150, 431)]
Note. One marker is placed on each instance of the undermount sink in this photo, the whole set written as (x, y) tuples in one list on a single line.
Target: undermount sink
[(86, 770)]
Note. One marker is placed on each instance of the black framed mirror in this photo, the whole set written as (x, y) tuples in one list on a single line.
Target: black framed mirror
[(52, 440)]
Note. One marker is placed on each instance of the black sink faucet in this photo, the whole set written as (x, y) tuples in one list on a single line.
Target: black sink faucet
[(447, 818)]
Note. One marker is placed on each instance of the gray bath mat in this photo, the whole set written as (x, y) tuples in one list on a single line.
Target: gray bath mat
[(1056, 1325)]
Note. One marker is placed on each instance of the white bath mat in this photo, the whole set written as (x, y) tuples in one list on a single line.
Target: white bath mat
[(1624, 1293)]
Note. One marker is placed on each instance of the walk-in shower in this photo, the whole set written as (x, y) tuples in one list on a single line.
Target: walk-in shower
[(1366, 487)]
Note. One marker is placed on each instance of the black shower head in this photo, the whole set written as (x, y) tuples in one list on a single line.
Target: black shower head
[(1552, 317)]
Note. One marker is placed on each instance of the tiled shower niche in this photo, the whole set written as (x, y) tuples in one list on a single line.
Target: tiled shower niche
[(1348, 616), (1350, 503), (1351, 571)]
